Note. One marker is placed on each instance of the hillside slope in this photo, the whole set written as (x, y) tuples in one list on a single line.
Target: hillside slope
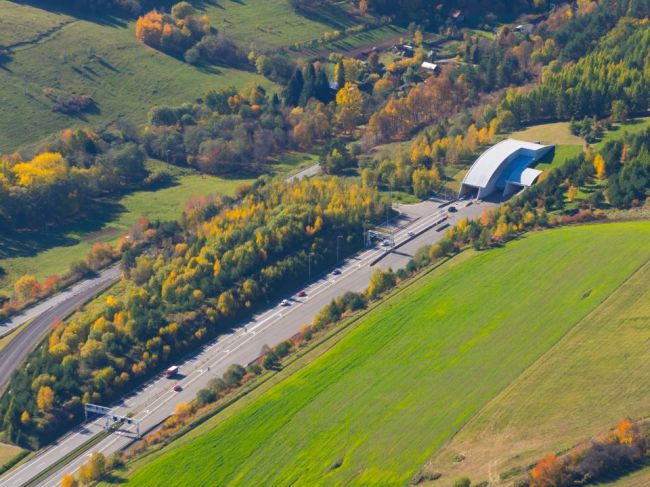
[(591, 380), (97, 56), (375, 407)]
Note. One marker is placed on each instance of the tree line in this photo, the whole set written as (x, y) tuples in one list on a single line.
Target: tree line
[(59, 183), (612, 80), (223, 263)]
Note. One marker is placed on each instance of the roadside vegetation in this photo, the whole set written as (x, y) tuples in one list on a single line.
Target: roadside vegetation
[(384, 431)]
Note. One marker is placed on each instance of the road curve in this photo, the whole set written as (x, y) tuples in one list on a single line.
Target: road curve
[(58, 307)]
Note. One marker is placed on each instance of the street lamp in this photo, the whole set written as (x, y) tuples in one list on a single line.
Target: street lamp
[(309, 264), (337, 247)]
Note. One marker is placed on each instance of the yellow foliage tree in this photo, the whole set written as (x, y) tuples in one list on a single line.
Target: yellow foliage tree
[(44, 169), (68, 481), (349, 100), (572, 193), (599, 166), (45, 398), (25, 417), (183, 410), (26, 288)]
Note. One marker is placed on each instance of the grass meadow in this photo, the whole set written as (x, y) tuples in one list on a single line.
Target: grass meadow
[(46, 254), (372, 409), (273, 23), (8, 453), (593, 378), (96, 56)]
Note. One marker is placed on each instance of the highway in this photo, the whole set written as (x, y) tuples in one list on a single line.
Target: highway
[(59, 306), (44, 315), (156, 400)]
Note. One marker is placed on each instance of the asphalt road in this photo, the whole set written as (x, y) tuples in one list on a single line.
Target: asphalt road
[(44, 315), (63, 304), (156, 400)]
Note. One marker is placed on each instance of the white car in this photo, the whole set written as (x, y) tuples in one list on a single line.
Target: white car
[(410, 233), (285, 302), (385, 243)]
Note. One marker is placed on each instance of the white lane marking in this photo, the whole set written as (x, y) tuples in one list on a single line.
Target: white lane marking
[(314, 291)]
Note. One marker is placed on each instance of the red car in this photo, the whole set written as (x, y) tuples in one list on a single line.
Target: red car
[(301, 294), (178, 388)]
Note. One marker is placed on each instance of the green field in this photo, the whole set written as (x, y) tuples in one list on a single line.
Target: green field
[(368, 39), (98, 57), (560, 155), (273, 23), (374, 408), (631, 127), (45, 255), (593, 378), (549, 133)]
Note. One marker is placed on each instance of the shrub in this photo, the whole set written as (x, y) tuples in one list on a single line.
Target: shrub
[(462, 482), (73, 104), (233, 376), (206, 396), (271, 361)]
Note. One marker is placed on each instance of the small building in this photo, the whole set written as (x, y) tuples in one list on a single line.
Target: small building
[(504, 167), (433, 67), (524, 28)]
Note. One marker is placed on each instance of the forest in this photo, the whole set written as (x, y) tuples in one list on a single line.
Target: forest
[(223, 264)]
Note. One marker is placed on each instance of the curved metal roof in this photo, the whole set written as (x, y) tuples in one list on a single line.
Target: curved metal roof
[(491, 161)]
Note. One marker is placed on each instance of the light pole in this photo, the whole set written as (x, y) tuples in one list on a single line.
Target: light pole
[(338, 237), (309, 264), (168, 153)]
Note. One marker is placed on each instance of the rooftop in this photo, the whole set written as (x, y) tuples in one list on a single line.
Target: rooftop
[(491, 160)]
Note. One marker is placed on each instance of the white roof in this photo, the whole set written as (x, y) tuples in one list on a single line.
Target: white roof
[(427, 65), (528, 176), (485, 167)]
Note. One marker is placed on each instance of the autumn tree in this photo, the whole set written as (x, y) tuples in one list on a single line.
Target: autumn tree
[(26, 288), (68, 480), (93, 469), (599, 166), (45, 398), (363, 6), (349, 101), (44, 169), (547, 472)]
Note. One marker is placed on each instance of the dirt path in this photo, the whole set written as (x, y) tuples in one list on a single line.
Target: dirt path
[(40, 37)]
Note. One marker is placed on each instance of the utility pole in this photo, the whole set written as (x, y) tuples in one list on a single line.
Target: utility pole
[(365, 233), (338, 237), (390, 203), (309, 264)]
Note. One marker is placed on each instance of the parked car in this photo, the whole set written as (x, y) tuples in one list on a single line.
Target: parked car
[(302, 294), (410, 233), (336, 272), (385, 243), (285, 302)]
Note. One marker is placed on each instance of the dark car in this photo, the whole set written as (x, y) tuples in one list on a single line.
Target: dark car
[(452, 209), (178, 388), (336, 272), (301, 294)]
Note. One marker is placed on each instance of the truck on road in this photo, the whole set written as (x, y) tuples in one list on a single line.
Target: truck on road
[(171, 371)]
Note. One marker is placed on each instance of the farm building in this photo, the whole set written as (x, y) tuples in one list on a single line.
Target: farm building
[(504, 167)]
